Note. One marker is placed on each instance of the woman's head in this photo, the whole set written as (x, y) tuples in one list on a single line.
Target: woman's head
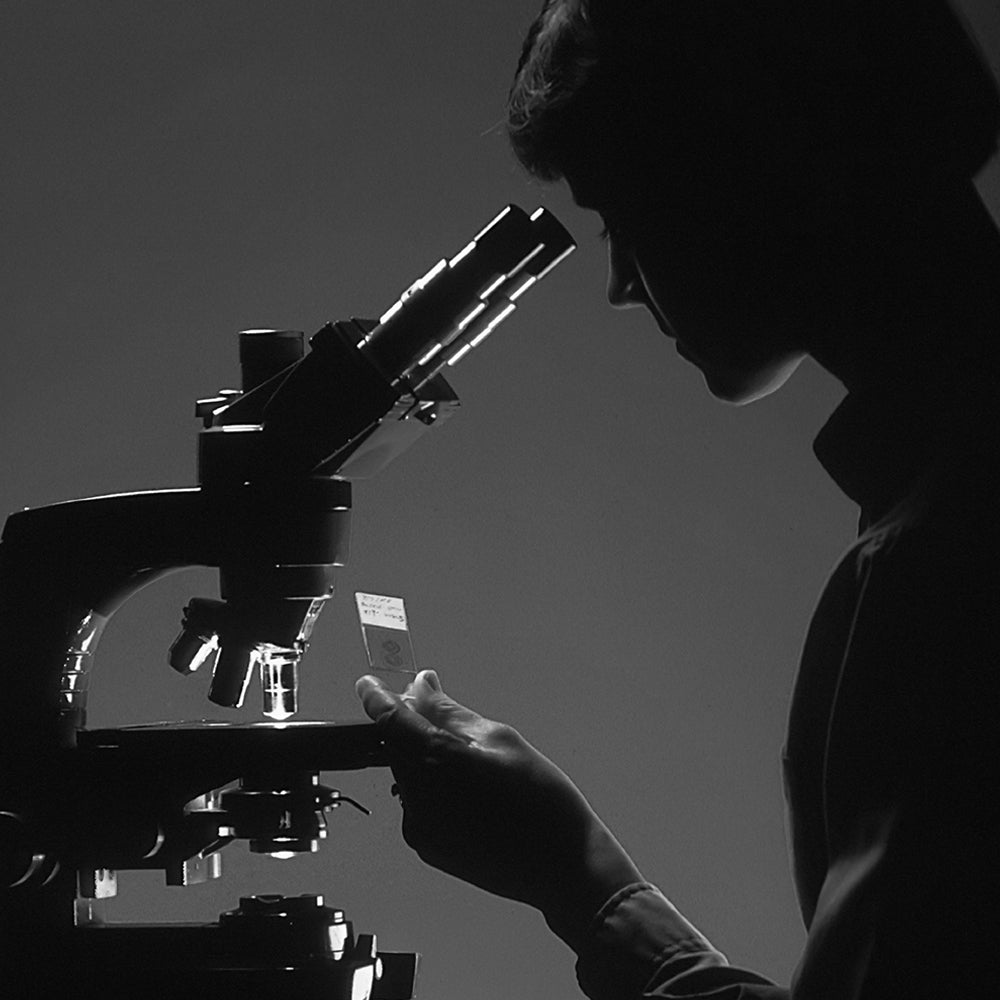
[(896, 83), (750, 159)]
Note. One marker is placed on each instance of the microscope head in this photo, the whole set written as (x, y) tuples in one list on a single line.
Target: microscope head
[(276, 458)]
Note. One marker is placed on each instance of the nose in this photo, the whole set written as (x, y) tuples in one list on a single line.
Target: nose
[(625, 286)]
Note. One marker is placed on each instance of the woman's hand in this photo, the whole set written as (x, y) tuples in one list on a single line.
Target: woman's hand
[(481, 803)]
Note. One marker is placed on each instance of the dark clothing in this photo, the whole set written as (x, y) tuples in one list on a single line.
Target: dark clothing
[(891, 756)]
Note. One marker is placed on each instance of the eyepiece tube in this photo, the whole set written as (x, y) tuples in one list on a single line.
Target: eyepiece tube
[(551, 244), (555, 239), (438, 308)]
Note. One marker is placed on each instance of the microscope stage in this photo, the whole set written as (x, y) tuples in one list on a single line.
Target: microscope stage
[(326, 746)]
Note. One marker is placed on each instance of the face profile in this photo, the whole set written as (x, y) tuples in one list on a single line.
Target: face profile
[(705, 277), (772, 181), (740, 360)]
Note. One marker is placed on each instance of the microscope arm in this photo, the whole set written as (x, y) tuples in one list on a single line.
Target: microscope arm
[(64, 570)]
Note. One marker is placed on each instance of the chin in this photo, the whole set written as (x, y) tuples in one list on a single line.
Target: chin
[(741, 387)]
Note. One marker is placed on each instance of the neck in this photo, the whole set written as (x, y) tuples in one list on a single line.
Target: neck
[(923, 308)]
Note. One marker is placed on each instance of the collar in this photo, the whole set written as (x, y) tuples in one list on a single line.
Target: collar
[(877, 446)]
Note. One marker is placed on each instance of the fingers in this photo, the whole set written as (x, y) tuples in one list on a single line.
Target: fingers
[(430, 679), (408, 732), (422, 719), (433, 704), (376, 699)]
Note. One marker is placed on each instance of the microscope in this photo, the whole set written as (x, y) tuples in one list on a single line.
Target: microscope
[(272, 511)]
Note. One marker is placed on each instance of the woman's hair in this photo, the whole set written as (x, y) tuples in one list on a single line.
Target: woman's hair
[(897, 83)]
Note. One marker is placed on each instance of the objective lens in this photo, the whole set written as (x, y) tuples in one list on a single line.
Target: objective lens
[(232, 675), (279, 683)]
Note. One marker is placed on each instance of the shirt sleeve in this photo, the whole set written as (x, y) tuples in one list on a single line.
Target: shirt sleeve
[(640, 945)]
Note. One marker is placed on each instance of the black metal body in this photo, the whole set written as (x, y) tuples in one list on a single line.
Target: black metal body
[(272, 513)]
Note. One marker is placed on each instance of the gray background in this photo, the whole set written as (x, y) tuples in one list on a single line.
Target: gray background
[(593, 549)]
